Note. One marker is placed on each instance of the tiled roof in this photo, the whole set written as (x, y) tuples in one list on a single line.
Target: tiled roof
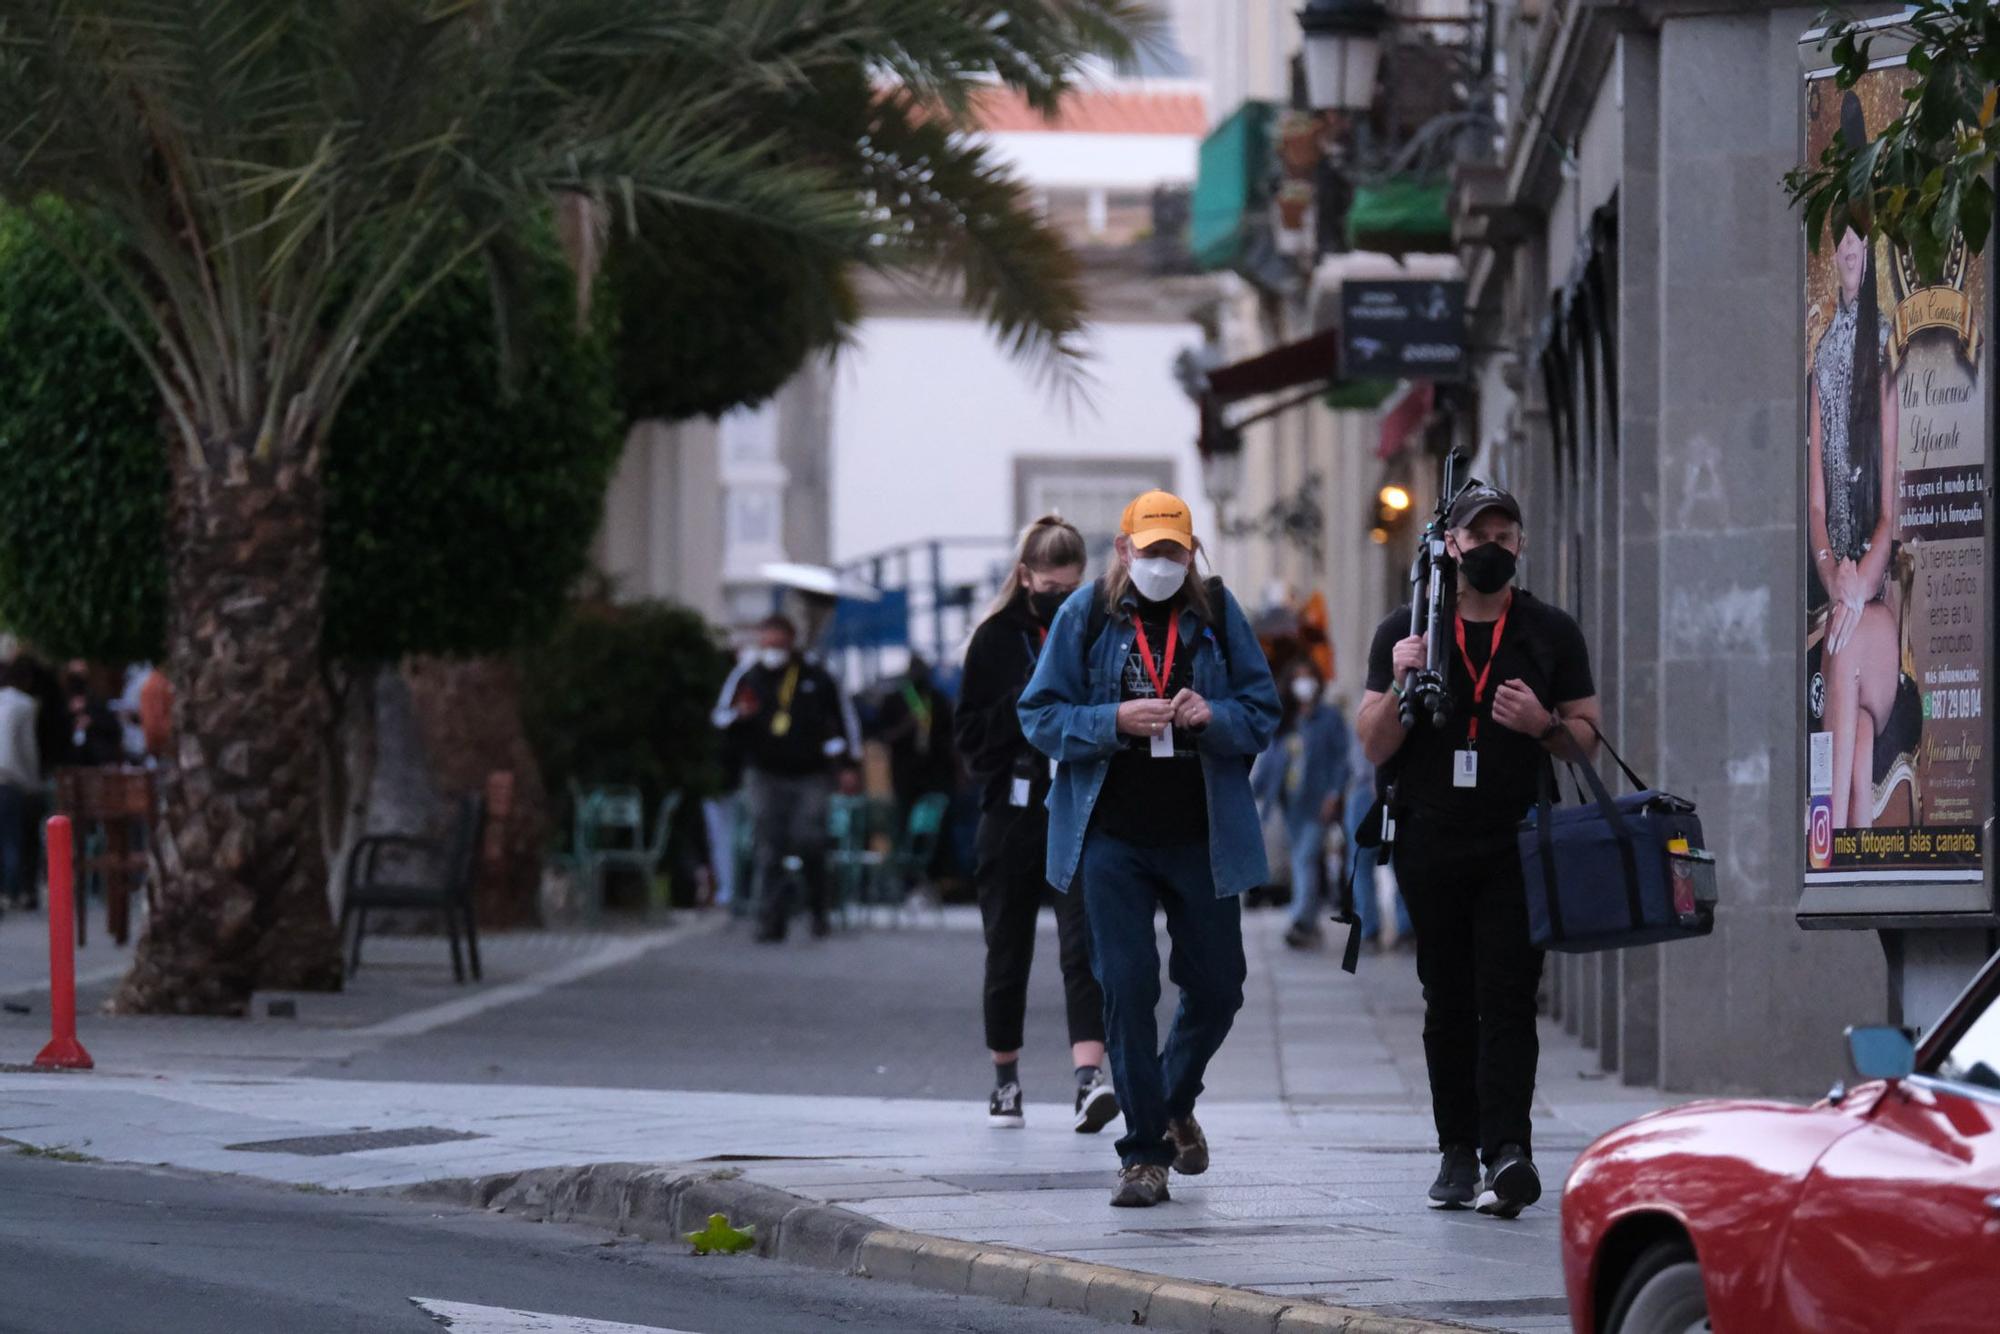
[(1096, 111)]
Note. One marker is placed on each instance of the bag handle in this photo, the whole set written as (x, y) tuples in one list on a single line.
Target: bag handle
[(1607, 806)]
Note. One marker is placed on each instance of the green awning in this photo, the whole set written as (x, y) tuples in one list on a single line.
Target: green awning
[(1230, 185), (1400, 215), (1363, 394)]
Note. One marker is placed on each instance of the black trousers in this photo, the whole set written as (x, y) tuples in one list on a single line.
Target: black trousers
[(1480, 976), (1012, 847)]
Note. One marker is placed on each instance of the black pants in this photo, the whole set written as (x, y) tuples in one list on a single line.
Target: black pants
[(1012, 847), (1480, 976)]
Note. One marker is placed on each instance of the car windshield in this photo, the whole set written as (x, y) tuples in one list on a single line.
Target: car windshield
[(1974, 1057)]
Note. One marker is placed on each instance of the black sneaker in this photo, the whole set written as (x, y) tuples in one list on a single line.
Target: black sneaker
[(1003, 1109), (1302, 937), (1512, 1184), (1096, 1104), (1190, 1146), (1457, 1184), (1140, 1186)]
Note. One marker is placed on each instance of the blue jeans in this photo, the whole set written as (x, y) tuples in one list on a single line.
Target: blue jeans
[(1308, 849), (1122, 884)]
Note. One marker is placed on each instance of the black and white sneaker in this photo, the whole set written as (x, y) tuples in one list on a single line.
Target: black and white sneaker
[(1457, 1184), (1512, 1184), (1096, 1105), (1003, 1109)]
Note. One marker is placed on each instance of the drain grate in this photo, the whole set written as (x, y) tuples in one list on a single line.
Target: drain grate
[(326, 1146)]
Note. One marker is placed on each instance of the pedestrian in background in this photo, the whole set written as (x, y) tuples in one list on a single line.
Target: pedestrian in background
[(20, 784), (1155, 697), (1369, 890), (1520, 691), (1302, 781), (915, 723), (1011, 848), (794, 725)]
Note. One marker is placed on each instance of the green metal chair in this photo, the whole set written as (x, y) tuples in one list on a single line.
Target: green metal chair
[(909, 865), (851, 865), (618, 841)]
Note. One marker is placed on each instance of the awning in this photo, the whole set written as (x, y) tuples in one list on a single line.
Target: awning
[(1230, 185), (1307, 361), (1401, 214), (1405, 419)]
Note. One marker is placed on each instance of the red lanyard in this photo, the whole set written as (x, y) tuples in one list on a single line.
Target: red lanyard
[(1479, 677), (1165, 672)]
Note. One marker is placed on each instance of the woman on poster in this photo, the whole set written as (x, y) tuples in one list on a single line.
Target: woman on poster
[(1852, 425)]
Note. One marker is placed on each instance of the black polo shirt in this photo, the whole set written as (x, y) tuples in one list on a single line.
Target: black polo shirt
[(1541, 647)]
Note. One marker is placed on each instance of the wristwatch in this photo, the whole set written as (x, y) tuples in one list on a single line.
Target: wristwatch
[(1556, 726)]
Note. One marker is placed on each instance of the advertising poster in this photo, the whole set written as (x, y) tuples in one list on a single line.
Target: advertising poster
[(1897, 590)]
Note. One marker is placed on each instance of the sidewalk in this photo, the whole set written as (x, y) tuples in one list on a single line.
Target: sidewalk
[(1317, 1116)]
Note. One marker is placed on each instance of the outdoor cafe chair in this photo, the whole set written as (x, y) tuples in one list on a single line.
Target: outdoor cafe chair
[(389, 871)]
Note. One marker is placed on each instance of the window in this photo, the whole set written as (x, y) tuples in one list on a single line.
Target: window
[(1974, 1056), (1090, 493)]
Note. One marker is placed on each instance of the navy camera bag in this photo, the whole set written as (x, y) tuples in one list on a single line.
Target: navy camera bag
[(1615, 872)]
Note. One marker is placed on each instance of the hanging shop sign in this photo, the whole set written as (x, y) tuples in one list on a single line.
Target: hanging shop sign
[(1409, 330)]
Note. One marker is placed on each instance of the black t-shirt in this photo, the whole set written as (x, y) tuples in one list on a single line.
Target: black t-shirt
[(1147, 800), (1541, 647)]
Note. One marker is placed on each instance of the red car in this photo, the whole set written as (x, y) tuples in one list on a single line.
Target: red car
[(1873, 1211)]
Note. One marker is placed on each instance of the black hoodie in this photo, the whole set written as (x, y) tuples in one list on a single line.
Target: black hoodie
[(998, 663)]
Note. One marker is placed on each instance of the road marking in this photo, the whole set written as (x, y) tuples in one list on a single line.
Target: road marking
[(470, 1319), (612, 955)]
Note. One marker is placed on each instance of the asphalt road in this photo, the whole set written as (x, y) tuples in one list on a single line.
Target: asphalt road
[(867, 1013), (109, 1250)]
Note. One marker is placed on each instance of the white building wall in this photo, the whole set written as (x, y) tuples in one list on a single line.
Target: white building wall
[(932, 420)]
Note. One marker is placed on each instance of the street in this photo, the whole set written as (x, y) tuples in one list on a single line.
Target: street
[(123, 1251), (848, 1071)]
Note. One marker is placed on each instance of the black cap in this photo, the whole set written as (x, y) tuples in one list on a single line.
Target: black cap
[(1479, 498)]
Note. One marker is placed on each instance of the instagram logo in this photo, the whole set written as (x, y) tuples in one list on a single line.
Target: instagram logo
[(1819, 833)]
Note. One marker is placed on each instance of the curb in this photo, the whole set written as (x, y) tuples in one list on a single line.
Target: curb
[(664, 1203)]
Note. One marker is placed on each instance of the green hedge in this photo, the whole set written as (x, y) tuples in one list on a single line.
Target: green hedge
[(458, 515)]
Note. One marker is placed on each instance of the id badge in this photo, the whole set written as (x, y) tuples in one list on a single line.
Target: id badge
[(1465, 768), (1018, 796), (1163, 743)]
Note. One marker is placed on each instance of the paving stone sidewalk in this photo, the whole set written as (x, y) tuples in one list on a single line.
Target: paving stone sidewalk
[(1317, 1114)]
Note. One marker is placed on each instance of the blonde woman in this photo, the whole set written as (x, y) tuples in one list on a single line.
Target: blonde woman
[(1012, 844)]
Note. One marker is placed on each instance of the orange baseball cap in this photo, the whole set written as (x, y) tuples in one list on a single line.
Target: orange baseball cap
[(1158, 516)]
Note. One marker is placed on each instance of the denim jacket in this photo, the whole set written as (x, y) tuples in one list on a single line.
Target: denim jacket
[(1069, 712)]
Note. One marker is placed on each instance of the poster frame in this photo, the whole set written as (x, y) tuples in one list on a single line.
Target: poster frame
[(1911, 900)]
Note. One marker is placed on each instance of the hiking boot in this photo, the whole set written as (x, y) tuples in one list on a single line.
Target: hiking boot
[(1190, 1146), (1003, 1109), (1140, 1186), (1096, 1104), (1512, 1183), (1457, 1185)]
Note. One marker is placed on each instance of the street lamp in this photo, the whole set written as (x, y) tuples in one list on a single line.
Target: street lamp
[(1343, 52), (1222, 475)]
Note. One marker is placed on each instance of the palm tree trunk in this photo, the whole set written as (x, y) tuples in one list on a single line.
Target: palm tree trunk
[(240, 867)]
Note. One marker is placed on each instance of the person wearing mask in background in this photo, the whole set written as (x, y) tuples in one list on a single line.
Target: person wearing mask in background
[(1011, 848), (915, 723), (1363, 861), (1520, 692), (20, 784), (794, 726), (1153, 694), (1302, 780)]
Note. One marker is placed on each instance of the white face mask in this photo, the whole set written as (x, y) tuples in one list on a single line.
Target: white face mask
[(773, 658), (1304, 689), (1157, 577)]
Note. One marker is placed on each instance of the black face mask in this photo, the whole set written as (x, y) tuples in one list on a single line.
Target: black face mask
[(1488, 567), (1046, 605)]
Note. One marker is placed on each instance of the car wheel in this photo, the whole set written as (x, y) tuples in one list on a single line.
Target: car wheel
[(1661, 1294)]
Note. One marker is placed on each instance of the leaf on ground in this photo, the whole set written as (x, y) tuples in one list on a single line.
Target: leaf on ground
[(718, 1238)]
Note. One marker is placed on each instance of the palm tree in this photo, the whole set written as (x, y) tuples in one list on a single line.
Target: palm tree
[(259, 180)]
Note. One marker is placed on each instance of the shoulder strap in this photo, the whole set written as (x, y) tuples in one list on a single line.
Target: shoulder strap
[(1093, 626)]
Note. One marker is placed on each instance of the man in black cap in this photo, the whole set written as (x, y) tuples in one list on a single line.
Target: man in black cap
[(1520, 691)]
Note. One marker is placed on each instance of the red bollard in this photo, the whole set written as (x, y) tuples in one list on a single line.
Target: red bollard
[(64, 1052)]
